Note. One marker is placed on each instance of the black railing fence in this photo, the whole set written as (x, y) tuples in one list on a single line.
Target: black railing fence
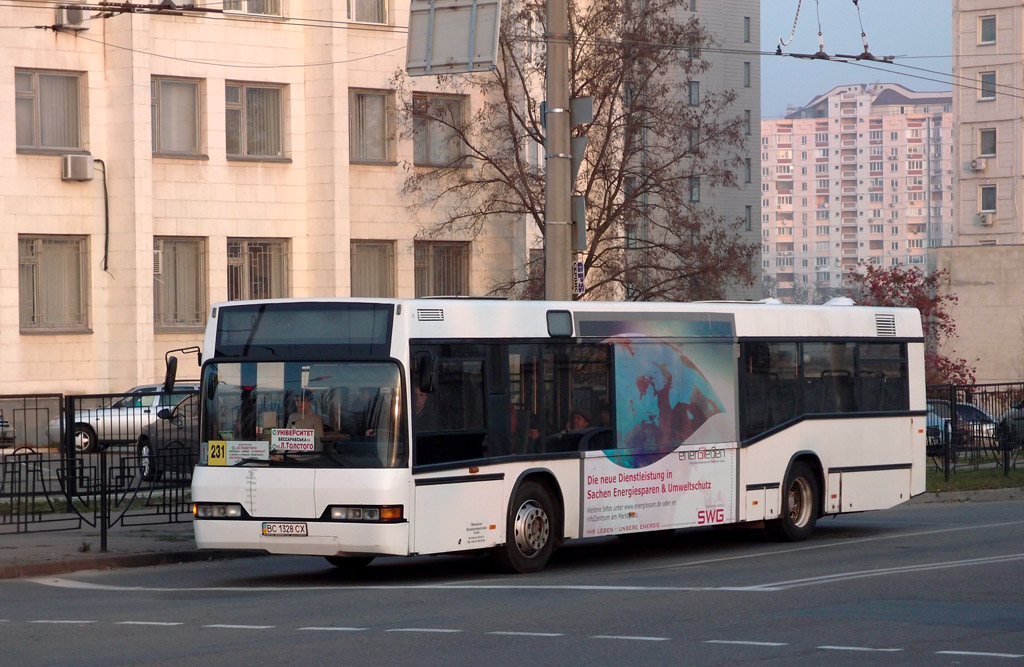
[(97, 461), (975, 426)]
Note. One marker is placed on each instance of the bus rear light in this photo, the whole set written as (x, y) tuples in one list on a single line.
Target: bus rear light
[(370, 514), (216, 511)]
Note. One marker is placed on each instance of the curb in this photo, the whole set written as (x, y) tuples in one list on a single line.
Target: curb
[(110, 562), (979, 496)]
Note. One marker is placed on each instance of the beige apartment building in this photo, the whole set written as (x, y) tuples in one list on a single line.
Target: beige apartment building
[(988, 66), (863, 173), (156, 162)]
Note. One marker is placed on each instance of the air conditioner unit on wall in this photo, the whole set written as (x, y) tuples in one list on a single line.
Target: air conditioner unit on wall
[(76, 167), (978, 164), (986, 219), (70, 17)]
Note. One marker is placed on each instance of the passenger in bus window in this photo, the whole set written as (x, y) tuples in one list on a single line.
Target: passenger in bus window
[(578, 420), (424, 418), (304, 417), (533, 442)]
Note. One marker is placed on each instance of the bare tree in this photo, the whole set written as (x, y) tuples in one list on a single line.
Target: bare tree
[(656, 144)]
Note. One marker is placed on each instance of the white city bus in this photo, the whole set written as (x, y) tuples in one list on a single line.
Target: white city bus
[(455, 425)]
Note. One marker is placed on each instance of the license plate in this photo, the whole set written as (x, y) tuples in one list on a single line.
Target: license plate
[(284, 529)]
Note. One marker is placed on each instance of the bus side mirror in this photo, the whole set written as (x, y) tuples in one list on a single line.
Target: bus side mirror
[(425, 372), (170, 374)]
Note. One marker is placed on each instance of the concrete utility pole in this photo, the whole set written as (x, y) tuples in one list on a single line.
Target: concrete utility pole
[(557, 158)]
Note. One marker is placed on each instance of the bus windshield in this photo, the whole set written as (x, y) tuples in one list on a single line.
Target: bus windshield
[(308, 414)]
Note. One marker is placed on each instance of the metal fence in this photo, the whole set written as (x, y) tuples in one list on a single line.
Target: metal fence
[(103, 460), (975, 426)]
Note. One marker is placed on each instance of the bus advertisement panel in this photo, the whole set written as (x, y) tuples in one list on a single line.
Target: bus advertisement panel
[(692, 486)]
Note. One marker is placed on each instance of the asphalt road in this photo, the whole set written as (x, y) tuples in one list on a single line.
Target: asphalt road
[(922, 584)]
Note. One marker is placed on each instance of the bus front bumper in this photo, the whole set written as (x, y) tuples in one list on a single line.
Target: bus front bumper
[(321, 538)]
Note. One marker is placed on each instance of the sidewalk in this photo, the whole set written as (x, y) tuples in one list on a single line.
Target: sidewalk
[(41, 554)]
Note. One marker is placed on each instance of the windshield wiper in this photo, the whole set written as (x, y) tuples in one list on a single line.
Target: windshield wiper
[(242, 462)]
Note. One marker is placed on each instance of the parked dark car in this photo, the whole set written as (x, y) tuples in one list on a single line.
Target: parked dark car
[(974, 427), (1011, 426), (170, 444)]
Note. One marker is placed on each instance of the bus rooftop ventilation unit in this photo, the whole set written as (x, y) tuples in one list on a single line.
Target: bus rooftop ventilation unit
[(72, 18), (76, 168)]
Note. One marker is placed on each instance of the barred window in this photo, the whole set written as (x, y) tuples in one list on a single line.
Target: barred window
[(47, 109), (254, 122), (442, 268), (179, 282), (53, 282), (257, 269), (174, 115), (369, 126), (265, 7), (373, 268), (368, 11), (437, 121)]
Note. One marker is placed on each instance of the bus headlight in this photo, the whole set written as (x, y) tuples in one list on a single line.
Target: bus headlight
[(378, 514), (216, 510)]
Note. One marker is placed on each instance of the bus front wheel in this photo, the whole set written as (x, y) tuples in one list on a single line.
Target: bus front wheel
[(529, 530), (799, 505)]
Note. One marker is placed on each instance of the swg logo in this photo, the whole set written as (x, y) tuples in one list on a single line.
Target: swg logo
[(707, 517)]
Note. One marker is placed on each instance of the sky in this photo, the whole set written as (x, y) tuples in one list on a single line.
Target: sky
[(893, 27)]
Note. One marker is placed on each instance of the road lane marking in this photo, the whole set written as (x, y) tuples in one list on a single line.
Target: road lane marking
[(146, 623), (226, 626), (57, 622), (526, 634), (334, 629), (861, 574), (741, 642), (979, 654), (858, 648), (442, 630), (631, 638)]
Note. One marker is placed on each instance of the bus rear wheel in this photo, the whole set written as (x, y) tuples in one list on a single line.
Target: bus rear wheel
[(799, 505), (529, 530)]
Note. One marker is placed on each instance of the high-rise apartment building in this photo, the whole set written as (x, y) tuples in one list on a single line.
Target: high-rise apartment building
[(737, 23), (861, 174), (988, 109)]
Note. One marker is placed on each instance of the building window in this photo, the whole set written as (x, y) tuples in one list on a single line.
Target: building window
[(748, 216), (988, 85), (266, 7), (987, 196), (257, 269), (174, 116), (47, 110), (694, 93), (369, 126), (747, 171), (693, 5), (695, 189), (437, 123), (746, 29), (987, 143), (254, 123), (442, 268), (53, 283), (746, 75), (746, 122), (368, 11), (373, 269), (179, 282), (986, 30)]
